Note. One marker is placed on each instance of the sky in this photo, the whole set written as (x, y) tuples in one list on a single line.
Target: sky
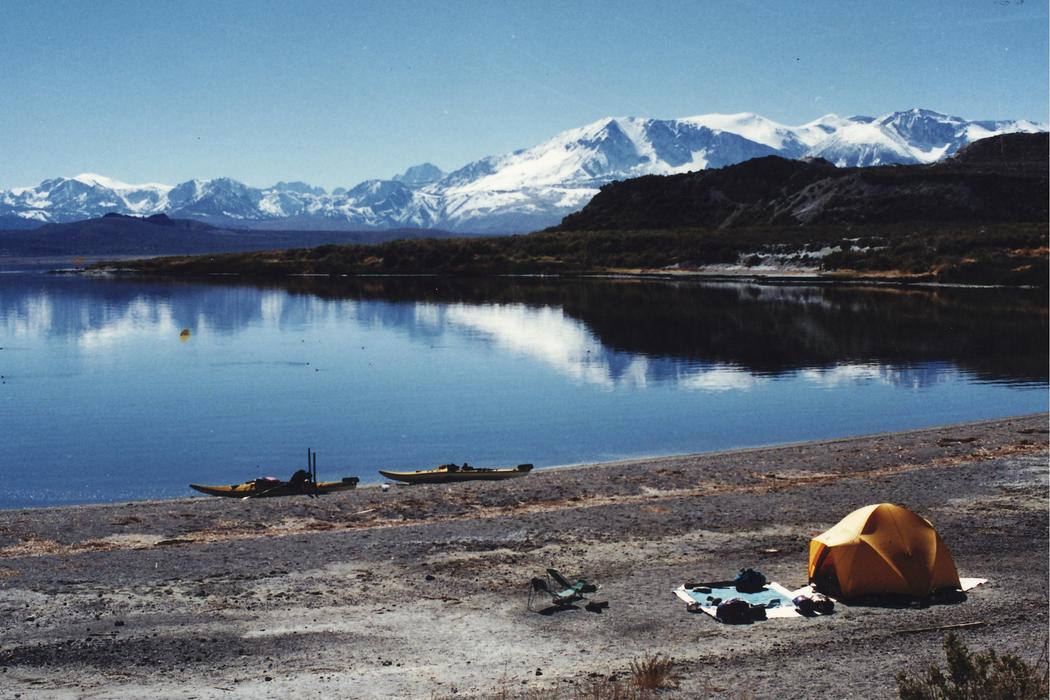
[(333, 93)]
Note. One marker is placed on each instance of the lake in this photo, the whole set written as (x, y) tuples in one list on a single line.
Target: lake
[(120, 389)]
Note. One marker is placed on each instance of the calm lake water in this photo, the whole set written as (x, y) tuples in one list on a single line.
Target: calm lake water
[(104, 397)]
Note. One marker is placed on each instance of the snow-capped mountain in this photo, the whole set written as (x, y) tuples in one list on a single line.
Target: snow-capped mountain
[(524, 190), (85, 196)]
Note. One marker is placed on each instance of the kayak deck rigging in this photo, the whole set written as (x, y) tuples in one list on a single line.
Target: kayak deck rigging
[(303, 482)]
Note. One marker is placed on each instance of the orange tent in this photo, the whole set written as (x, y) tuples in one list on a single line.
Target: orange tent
[(881, 548)]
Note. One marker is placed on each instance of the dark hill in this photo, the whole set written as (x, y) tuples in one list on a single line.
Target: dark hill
[(1002, 179), (117, 234), (1008, 153)]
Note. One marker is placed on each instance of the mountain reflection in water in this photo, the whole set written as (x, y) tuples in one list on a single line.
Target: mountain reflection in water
[(697, 335)]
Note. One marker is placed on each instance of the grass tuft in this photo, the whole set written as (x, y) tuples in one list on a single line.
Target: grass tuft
[(653, 672)]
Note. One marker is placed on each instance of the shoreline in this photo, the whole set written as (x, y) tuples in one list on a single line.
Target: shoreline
[(811, 277), (627, 461), (802, 276), (421, 591), (803, 443)]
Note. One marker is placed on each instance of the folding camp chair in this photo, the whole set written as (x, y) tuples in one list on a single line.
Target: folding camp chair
[(563, 593)]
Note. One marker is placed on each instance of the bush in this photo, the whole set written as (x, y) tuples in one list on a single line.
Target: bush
[(977, 675), (653, 672)]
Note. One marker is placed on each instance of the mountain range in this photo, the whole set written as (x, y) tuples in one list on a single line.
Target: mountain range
[(524, 190)]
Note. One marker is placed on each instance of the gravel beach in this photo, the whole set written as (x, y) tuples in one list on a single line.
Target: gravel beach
[(421, 591)]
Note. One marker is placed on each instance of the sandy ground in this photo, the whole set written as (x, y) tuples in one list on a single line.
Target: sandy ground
[(421, 591)]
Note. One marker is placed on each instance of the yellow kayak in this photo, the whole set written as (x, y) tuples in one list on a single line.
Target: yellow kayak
[(452, 472), (270, 487)]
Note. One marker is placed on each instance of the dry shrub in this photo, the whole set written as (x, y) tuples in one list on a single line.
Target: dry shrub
[(978, 675), (653, 672)]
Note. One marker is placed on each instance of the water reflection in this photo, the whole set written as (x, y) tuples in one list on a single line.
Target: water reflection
[(113, 389), (913, 377), (712, 337)]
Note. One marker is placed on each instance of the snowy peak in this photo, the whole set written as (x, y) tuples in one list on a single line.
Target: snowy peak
[(863, 144), (576, 157), (95, 180), (934, 135), (752, 127), (907, 137), (613, 148)]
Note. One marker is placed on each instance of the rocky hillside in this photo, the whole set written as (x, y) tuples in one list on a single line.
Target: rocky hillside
[(1002, 179)]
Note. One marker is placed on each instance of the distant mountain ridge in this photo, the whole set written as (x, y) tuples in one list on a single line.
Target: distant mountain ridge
[(520, 191), (157, 234)]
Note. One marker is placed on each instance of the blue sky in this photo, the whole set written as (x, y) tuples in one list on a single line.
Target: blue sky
[(337, 92)]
